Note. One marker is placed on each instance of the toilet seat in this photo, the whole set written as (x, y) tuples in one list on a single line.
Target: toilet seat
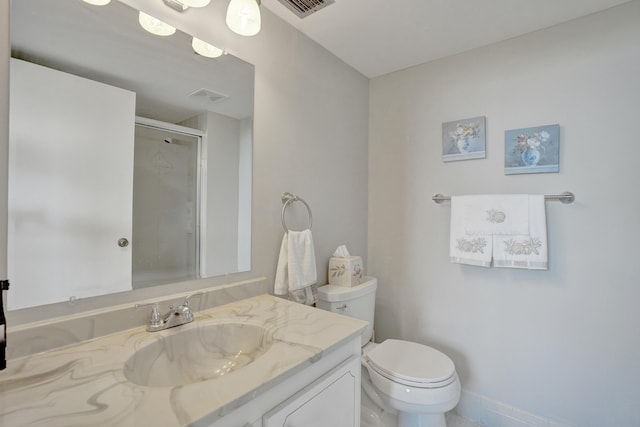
[(411, 364)]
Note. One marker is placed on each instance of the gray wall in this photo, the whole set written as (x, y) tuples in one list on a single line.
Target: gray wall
[(562, 344)]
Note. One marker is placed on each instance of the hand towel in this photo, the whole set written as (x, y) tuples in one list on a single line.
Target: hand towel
[(496, 214), (528, 250), (465, 248), (281, 284), (296, 269)]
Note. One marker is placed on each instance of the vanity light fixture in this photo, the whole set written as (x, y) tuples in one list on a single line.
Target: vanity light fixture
[(182, 5), (203, 48), (176, 5), (97, 2), (154, 25), (159, 28), (195, 3), (243, 17)]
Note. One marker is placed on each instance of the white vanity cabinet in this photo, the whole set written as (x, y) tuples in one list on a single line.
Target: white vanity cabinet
[(325, 393), (333, 400)]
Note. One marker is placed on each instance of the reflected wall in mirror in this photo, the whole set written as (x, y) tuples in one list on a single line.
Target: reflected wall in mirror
[(130, 155)]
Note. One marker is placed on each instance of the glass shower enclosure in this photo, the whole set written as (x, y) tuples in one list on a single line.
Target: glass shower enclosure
[(165, 240)]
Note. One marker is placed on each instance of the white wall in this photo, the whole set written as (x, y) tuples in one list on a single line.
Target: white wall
[(560, 344), (310, 138), (228, 164), (223, 151), (244, 194)]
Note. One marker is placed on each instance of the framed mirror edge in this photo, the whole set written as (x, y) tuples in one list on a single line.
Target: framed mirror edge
[(65, 308)]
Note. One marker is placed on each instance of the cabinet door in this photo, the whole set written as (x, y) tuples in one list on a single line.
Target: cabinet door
[(333, 400)]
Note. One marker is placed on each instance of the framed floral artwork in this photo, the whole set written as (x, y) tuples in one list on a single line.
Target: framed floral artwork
[(532, 150), (464, 139)]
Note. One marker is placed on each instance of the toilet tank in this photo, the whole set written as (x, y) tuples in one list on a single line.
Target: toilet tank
[(355, 301)]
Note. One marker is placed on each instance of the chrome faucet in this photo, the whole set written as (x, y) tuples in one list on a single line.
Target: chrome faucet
[(176, 316)]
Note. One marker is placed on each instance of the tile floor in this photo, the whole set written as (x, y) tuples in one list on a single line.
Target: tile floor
[(388, 420), (454, 420), (373, 416)]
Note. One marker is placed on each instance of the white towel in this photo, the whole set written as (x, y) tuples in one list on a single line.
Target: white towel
[(465, 248), (480, 233), (527, 250), (496, 214), (296, 269)]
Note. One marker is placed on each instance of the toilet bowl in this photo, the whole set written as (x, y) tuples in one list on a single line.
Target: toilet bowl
[(418, 382)]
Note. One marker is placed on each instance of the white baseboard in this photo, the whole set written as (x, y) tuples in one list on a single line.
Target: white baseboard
[(492, 413)]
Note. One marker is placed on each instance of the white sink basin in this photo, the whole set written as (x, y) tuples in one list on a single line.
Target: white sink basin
[(192, 353)]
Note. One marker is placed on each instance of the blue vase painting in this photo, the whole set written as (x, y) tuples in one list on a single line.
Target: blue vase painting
[(463, 139), (531, 156), (532, 150), (464, 145)]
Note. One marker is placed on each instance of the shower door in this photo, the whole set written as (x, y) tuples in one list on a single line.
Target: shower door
[(165, 244)]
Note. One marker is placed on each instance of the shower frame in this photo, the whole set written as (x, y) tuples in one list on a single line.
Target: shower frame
[(200, 222)]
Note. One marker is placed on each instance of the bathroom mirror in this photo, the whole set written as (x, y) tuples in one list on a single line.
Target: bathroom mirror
[(184, 203)]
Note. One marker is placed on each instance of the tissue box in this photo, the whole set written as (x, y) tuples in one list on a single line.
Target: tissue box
[(346, 271)]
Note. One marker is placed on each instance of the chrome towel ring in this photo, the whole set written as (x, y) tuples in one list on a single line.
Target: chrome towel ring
[(287, 199)]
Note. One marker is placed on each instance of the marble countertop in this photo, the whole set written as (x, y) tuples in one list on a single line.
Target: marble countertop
[(84, 384)]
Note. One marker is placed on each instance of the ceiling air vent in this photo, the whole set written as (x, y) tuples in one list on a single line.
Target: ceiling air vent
[(304, 8), (208, 93)]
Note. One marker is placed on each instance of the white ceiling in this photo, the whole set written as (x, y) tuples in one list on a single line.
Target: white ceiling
[(377, 37), (107, 44)]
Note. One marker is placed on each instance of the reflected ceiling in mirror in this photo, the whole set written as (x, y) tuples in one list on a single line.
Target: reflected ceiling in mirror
[(107, 44), (172, 85)]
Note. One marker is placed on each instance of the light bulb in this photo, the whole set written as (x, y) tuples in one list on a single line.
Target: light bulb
[(195, 3), (243, 17), (154, 25), (205, 49), (97, 2)]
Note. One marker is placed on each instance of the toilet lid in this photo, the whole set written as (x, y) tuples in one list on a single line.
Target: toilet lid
[(411, 363)]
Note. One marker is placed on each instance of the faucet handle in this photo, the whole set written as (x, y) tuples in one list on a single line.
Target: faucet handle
[(156, 318), (188, 297)]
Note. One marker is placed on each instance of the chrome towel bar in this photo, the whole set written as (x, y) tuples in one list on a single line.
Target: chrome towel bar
[(566, 197)]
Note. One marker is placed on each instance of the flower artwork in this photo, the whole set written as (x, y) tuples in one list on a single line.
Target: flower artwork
[(463, 139), (531, 150)]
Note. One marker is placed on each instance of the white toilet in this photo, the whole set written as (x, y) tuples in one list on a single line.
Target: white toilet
[(417, 381)]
